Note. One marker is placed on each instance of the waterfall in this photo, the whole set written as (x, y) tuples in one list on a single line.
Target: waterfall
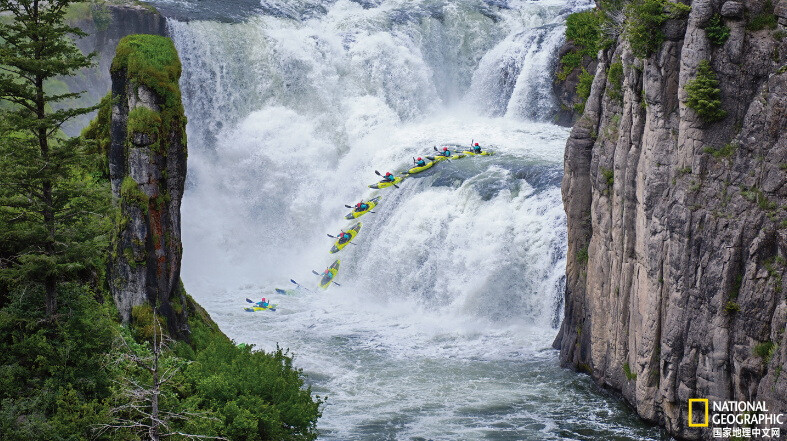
[(292, 106)]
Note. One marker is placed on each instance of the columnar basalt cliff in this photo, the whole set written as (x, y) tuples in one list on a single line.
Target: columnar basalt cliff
[(677, 216), (147, 165)]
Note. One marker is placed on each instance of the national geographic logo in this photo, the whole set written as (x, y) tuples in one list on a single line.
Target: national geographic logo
[(736, 419)]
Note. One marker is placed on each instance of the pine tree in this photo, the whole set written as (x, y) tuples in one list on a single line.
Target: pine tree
[(704, 95), (51, 206)]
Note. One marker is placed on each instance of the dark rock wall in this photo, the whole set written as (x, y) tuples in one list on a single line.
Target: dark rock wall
[(677, 228), (147, 164)]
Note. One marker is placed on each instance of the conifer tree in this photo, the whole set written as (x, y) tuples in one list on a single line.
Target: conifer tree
[(50, 204)]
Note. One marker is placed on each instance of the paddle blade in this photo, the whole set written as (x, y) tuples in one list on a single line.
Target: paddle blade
[(316, 273), (377, 173), (334, 237), (337, 284), (250, 300), (293, 281)]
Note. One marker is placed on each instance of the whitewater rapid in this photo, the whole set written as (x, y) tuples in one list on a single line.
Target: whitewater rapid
[(451, 295)]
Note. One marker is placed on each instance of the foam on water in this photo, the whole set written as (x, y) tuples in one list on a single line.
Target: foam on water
[(451, 295)]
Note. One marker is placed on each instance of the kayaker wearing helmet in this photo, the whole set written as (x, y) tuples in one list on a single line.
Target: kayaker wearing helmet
[(344, 237), (389, 177), (476, 148), (446, 152), (361, 206), (420, 162)]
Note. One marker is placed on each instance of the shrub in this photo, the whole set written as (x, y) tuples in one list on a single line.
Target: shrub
[(609, 176), (722, 152), (583, 89), (615, 79), (584, 30), (765, 19), (704, 95), (716, 30), (765, 351), (629, 374), (582, 256), (643, 26)]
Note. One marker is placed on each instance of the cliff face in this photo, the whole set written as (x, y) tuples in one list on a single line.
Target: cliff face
[(105, 25), (147, 165), (677, 226)]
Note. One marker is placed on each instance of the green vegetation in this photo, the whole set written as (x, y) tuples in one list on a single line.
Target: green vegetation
[(153, 62), (43, 183), (754, 194), (704, 96), (615, 80), (723, 152), (731, 307), (716, 30), (774, 265), (644, 20), (608, 175), (69, 370), (629, 375), (766, 19), (765, 351), (584, 30), (583, 89), (582, 256)]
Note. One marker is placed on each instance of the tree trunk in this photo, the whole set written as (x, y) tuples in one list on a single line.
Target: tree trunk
[(50, 279)]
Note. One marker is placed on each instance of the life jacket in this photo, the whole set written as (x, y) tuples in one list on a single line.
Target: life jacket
[(421, 163), (389, 176)]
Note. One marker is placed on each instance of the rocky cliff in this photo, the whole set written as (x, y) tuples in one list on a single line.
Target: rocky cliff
[(106, 23), (675, 189), (147, 168)]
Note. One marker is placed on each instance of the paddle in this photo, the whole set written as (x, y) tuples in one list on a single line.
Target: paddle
[(380, 174), (301, 286), (441, 153), (320, 275)]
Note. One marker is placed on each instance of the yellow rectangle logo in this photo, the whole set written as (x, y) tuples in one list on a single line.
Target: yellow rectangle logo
[(691, 405)]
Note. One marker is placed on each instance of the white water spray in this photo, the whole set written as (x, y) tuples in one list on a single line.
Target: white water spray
[(453, 288)]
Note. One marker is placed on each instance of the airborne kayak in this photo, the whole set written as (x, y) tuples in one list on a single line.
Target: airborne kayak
[(415, 170), (384, 184), (325, 282), (486, 153), (371, 204), (339, 244), (257, 307)]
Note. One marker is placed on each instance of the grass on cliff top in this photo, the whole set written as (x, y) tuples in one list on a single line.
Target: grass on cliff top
[(150, 60)]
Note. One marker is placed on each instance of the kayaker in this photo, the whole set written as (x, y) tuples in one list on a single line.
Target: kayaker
[(264, 303), (344, 237), (476, 148), (446, 152), (327, 273), (420, 162), (361, 206), (389, 177)]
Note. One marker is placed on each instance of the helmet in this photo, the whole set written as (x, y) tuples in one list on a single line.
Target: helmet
[(419, 158), (387, 173), (476, 143), (445, 149)]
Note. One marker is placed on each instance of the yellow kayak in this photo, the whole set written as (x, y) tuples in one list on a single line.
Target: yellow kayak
[(325, 282), (353, 232), (415, 170), (439, 158), (486, 153), (384, 184), (355, 214)]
